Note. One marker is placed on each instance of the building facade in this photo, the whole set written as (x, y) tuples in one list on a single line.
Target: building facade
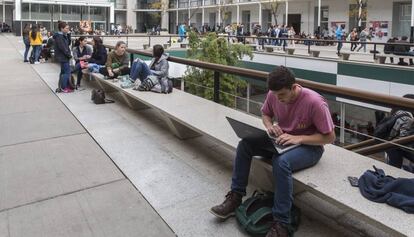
[(387, 17)]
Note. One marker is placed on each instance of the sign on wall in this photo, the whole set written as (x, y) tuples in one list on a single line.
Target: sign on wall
[(378, 30)]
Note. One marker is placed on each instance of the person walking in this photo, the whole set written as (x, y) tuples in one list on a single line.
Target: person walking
[(339, 34), (363, 39)]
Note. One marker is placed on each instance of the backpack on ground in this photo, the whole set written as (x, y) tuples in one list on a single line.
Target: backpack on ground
[(72, 83), (255, 214), (98, 97), (383, 129)]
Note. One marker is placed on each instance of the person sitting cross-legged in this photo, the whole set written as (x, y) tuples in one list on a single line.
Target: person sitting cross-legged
[(117, 62), (303, 118), (158, 67)]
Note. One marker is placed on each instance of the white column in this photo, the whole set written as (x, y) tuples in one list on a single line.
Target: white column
[(319, 14), (238, 14), (18, 10), (4, 11), (202, 14), (219, 13), (287, 11), (189, 14), (260, 14), (111, 13), (412, 13), (202, 17)]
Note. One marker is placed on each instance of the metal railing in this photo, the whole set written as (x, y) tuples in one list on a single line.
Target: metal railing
[(343, 92), (312, 44)]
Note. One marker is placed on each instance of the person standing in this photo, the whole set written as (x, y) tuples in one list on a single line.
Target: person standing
[(63, 55), (36, 43), (354, 39), (26, 41)]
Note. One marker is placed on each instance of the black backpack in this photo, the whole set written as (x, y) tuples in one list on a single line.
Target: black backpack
[(98, 97), (384, 127)]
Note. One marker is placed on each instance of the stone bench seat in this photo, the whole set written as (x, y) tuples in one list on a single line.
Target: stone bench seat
[(323, 187), (382, 57)]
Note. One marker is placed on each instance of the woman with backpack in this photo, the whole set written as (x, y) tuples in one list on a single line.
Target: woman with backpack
[(26, 41), (63, 55), (36, 42)]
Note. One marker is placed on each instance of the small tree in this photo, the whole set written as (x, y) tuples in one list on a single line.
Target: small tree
[(214, 49), (223, 5), (273, 6)]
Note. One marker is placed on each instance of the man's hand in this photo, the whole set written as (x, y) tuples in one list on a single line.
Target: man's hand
[(110, 73), (287, 139), (274, 130)]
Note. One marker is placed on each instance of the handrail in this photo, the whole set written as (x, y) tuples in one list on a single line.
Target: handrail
[(360, 144), (349, 93), (384, 146), (247, 37)]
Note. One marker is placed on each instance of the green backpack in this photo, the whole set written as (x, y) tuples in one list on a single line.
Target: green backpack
[(255, 214)]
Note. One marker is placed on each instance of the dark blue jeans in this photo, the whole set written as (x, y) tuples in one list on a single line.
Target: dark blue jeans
[(139, 69), (299, 158), (65, 74), (339, 46), (36, 52), (396, 156), (26, 51), (79, 73)]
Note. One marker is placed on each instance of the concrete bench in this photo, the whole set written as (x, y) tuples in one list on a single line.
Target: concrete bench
[(314, 53), (380, 58), (323, 189), (146, 46), (345, 56), (253, 46)]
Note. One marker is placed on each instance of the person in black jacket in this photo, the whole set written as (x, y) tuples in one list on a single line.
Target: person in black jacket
[(403, 50), (63, 55), (389, 48), (99, 54)]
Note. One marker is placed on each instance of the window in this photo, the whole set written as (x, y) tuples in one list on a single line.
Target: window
[(25, 10), (324, 18)]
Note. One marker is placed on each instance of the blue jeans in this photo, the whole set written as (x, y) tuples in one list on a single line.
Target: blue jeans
[(396, 156), (36, 52), (65, 74), (299, 158), (339, 46), (139, 69), (79, 73), (26, 51)]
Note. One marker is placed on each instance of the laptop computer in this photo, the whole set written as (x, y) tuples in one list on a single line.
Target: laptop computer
[(258, 136)]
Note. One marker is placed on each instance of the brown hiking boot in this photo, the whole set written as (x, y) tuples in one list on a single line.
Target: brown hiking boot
[(227, 208), (277, 230)]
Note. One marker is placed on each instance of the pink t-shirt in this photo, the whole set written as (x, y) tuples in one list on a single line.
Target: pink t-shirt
[(307, 115)]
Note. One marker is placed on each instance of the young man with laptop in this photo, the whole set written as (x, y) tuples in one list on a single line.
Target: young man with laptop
[(294, 115)]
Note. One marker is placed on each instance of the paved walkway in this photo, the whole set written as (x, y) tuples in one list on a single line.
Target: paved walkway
[(55, 180), (180, 179)]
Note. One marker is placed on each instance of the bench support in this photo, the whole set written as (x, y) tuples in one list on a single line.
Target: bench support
[(104, 87), (179, 130), (133, 103)]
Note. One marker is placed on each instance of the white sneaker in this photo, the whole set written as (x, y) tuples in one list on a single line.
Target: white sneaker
[(36, 62)]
